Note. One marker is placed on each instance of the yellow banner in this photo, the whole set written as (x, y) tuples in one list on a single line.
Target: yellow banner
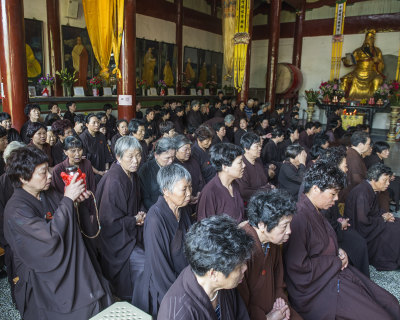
[(337, 39), (241, 40)]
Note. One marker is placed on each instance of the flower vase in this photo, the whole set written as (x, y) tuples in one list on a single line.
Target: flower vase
[(310, 111), (162, 92), (143, 91), (46, 92), (68, 90), (199, 92), (95, 92)]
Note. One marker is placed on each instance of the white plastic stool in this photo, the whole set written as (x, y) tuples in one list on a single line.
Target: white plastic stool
[(122, 311)]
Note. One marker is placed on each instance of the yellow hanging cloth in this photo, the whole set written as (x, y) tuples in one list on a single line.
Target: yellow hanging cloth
[(241, 40), (99, 23), (337, 39), (118, 30), (228, 32)]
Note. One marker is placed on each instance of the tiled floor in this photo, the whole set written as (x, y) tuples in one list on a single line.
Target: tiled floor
[(390, 280)]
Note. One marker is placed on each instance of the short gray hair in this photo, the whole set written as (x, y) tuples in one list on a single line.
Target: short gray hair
[(229, 118), (168, 176), (180, 141), (126, 143), (14, 145), (163, 145)]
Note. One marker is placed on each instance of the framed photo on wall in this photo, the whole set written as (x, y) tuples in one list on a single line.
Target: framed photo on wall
[(34, 50)]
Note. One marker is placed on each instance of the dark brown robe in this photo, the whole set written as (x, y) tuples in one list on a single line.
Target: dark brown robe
[(254, 178), (357, 171), (215, 199), (46, 150), (194, 120), (56, 277), (317, 287), (119, 201), (164, 258), (305, 140), (263, 280), (383, 238), (186, 299), (96, 149), (271, 154), (195, 172)]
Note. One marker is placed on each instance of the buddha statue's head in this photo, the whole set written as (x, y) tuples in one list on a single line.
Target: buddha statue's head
[(78, 40)]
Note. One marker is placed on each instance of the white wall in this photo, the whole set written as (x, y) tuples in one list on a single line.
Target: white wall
[(316, 60)]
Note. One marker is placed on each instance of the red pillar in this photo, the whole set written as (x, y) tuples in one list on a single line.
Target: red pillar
[(53, 29), (243, 95), (178, 40), (127, 65), (298, 36), (13, 60), (273, 50)]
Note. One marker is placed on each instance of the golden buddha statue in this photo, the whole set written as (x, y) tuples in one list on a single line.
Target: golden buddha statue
[(190, 74), (168, 76), (203, 74), (367, 77), (33, 66), (149, 62)]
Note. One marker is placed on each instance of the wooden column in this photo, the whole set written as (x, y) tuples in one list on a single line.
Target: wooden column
[(273, 50), (127, 65), (13, 60), (243, 95), (214, 8), (54, 40), (179, 45), (298, 36)]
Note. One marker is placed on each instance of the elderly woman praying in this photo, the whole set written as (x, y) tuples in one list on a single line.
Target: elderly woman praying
[(165, 227)]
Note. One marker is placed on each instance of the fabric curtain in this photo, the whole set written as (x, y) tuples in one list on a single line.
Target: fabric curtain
[(99, 23), (118, 30), (228, 31)]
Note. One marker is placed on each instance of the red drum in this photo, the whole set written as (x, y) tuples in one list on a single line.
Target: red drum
[(288, 79)]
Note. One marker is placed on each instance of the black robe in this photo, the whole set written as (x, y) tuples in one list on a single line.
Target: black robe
[(271, 154), (164, 257), (203, 158), (215, 199), (238, 135), (290, 177), (119, 201), (148, 182), (317, 287), (56, 277), (186, 299), (68, 115), (194, 120), (57, 153), (96, 149), (383, 238), (178, 123), (13, 135), (195, 172), (23, 132)]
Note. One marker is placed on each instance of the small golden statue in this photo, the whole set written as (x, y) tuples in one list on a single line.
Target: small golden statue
[(203, 74), (168, 76), (149, 62), (367, 77)]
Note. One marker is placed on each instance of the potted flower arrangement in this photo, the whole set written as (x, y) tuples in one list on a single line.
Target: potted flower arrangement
[(161, 87), (46, 83), (212, 85), (328, 90), (142, 84), (382, 93), (199, 88), (95, 83), (186, 84), (68, 79)]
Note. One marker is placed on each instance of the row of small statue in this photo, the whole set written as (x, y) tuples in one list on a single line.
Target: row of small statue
[(149, 63)]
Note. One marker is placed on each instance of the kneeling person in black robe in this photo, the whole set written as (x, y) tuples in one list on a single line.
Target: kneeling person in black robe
[(55, 278), (216, 250)]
